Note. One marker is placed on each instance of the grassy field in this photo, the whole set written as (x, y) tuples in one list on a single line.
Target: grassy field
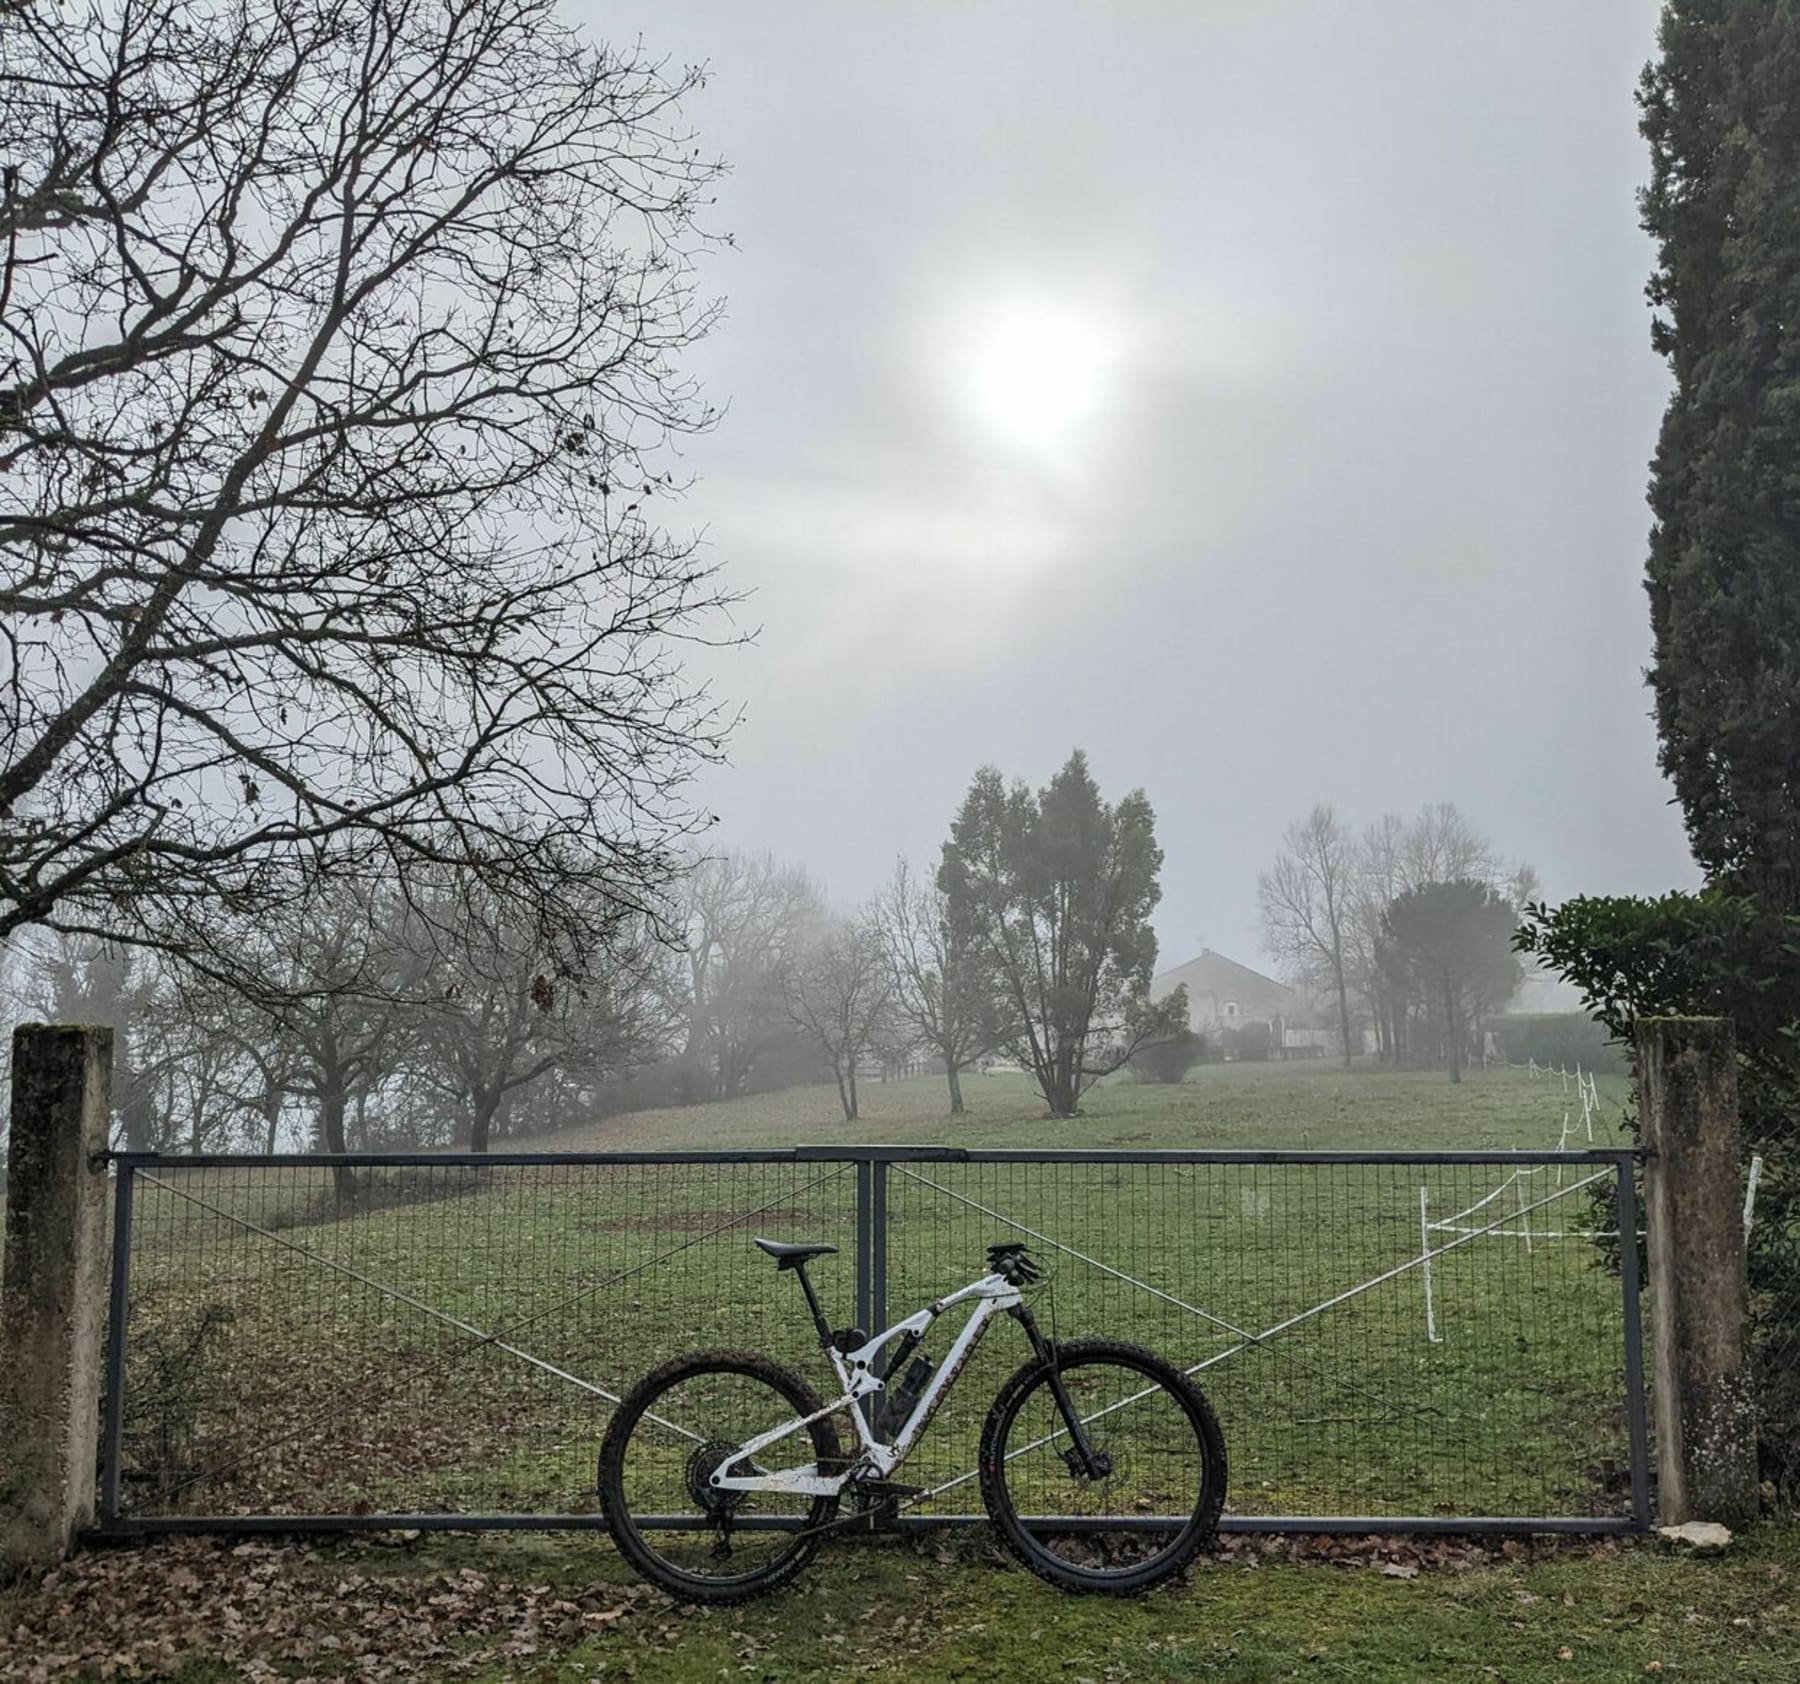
[(1311, 1105), (291, 1352)]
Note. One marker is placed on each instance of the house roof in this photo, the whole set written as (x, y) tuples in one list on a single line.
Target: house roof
[(1213, 973)]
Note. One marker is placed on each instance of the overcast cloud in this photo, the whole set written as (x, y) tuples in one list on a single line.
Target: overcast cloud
[(1336, 495)]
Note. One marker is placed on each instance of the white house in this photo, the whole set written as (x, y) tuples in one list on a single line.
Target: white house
[(1222, 994)]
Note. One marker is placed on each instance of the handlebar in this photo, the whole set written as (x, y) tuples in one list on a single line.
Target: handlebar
[(1013, 1262)]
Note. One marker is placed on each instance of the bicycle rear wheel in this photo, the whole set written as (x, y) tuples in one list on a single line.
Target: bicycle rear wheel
[(670, 1433), (1157, 1503)]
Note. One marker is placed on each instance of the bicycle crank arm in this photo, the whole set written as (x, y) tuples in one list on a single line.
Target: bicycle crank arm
[(870, 1519)]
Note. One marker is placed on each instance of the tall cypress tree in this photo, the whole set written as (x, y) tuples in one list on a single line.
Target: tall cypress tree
[(1721, 111)]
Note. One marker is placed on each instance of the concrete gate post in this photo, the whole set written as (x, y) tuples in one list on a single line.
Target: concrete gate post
[(1702, 1395), (53, 1300)]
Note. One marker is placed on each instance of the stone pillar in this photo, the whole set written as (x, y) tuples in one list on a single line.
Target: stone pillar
[(1705, 1409), (53, 1300)]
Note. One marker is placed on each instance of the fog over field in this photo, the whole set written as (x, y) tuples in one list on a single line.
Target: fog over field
[(1129, 666), (1258, 396)]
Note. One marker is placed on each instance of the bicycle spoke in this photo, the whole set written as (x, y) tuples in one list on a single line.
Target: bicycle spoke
[(688, 1532), (1139, 1505)]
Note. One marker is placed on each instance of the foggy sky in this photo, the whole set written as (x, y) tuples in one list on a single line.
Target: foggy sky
[(1355, 512)]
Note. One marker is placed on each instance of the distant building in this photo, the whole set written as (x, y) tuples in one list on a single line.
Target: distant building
[(1222, 994)]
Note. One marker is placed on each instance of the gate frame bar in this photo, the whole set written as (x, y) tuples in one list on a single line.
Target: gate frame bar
[(112, 1431), (871, 1162)]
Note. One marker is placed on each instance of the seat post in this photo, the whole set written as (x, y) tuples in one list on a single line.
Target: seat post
[(812, 1303)]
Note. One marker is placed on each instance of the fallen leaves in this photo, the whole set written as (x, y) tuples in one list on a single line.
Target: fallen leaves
[(1398, 1555), (269, 1609)]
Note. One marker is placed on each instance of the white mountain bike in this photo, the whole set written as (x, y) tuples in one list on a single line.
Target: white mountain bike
[(1101, 1464)]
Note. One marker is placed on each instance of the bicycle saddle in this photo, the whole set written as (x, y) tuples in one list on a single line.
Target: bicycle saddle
[(792, 1256)]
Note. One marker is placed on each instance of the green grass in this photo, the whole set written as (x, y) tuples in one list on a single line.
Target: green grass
[(898, 1611), (1312, 1105), (269, 1373)]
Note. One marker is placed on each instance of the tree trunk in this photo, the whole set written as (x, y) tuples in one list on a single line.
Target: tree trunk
[(483, 1103), (1344, 1017), (331, 1120), (1453, 1038), (271, 1108), (331, 1137), (955, 1078), (851, 1113), (1056, 1080), (136, 1115)]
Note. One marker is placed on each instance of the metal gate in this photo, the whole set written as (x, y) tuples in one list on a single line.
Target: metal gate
[(1394, 1341)]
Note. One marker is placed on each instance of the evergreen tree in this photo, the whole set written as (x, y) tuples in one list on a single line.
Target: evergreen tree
[(1721, 111), (1455, 941), (1057, 889)]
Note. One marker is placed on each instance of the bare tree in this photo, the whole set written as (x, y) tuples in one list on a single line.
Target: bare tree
[(1441, 846), (342, 980), (174, 1075), (1371, 963), (1397, 859), (338, 348), (945, 987), (747, 917), (841, 995), (1307, 900), (82, 980), (506, 1016)]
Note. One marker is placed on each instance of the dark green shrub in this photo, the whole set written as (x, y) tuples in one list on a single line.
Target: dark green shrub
[(1247, 1042), (1715, 954), (1167, 1061), (1564, 1039)]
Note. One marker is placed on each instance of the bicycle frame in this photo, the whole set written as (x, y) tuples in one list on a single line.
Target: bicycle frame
[(856, 1372)]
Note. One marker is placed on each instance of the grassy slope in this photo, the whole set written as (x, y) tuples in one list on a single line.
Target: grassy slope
[(1304, 1106)]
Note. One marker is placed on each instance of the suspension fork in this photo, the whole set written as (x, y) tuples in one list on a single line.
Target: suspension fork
[(1094, 1463)]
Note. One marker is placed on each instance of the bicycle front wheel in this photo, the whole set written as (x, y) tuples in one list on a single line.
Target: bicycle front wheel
[(671, 1433), (1156, 1501)]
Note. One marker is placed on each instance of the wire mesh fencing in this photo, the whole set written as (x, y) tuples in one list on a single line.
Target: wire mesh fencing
[(1378, 1339), (1387, 1338)]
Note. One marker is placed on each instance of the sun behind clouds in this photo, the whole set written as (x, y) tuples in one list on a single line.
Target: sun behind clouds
[(1038, 372)]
